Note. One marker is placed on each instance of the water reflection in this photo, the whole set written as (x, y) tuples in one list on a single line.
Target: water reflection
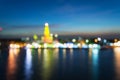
[(71, 53), (49, 62), (67, 55), (117, 62), (64, 54), (71, 59), (93, 58), (56, 54), (11, 65), (64, 61), (59, 64), (0, 54), (0, 51), (39, 53), (28, 64)]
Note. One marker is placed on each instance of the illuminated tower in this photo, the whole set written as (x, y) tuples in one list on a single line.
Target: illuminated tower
[(47, 38)]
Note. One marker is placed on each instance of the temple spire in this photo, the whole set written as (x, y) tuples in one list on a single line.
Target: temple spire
[(46, 30), (47, 38)]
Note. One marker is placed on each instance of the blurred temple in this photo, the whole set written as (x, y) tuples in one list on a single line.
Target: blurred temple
[(47, 38)]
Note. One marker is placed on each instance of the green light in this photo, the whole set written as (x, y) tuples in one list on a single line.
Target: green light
[(35, 37)]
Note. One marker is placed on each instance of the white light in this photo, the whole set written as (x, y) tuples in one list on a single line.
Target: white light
[(73, 40), (46, 24), (56, 45), (117, 43), (11, 45), (99, 39), (95, 51), (84, 46), (28, 63), (90, 46), (45, 45), (111, 44), (87, 41), (61, 45), (69, 45), (95, 45), (79, 44), (56, 35), (28, 46), (95, 54), (36, 45), (51, 34), (64, 45), (75, 46)]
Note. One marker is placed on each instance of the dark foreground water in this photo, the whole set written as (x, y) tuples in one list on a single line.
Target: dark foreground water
[(60, 64)]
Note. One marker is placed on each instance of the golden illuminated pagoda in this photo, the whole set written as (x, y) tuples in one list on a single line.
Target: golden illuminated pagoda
[(47, 38)]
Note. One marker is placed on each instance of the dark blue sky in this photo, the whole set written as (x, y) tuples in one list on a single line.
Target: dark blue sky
[(26, 17)]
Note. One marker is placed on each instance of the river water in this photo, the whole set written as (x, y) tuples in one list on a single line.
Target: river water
[(60, 64)]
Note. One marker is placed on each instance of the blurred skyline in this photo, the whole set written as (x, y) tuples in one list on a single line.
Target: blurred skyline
[(65, 17)]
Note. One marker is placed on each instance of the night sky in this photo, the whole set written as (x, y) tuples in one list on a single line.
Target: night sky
[(65, 17)]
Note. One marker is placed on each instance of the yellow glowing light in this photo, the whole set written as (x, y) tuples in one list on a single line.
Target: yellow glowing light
[(11, 45), (48, 65), (96, 40), (46, 30), (117, 62), (79, 44), (35, 37), (47, 38), (115, 40), (39, 46), (14, 46)]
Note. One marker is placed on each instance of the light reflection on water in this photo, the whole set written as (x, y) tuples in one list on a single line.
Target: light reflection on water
[(12, 65), (28, 64), (62, 64), (71, 53), (93, 55), (39, 53), (46, 72), (95, 63), (0, 53), (64, 53), (117, 62), (50, 57)]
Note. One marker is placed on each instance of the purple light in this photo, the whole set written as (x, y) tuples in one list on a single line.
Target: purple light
[(1, 29)]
